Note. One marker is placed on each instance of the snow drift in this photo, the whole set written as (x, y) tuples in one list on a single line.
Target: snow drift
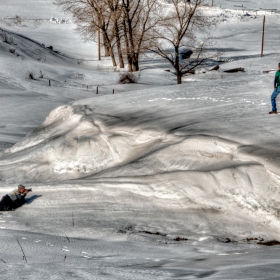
[(188, 148), (76, 141), (143, 153), (162, 176)]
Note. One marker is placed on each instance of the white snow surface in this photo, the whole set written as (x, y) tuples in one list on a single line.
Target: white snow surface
[(155, 181)]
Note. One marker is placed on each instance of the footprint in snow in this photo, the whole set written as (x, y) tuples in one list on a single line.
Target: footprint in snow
[(87, 257), (65, 249), (37, 241)]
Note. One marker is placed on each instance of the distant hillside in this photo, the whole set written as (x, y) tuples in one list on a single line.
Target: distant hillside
[(23, 47), (32, 9)]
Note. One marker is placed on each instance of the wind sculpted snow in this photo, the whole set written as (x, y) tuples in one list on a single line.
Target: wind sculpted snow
[(157, 181), (177, 155), (75, 141)]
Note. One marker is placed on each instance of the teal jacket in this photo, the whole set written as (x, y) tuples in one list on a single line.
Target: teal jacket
[(277, 79)]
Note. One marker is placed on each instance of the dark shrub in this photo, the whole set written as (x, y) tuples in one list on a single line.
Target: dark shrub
[(128, 78), (31, 76)]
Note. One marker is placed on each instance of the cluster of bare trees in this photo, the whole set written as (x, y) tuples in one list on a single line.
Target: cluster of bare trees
[(129, 28)]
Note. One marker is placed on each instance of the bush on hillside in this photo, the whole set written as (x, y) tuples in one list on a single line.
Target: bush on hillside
[(31, 76), (128, 78), (4, 37)]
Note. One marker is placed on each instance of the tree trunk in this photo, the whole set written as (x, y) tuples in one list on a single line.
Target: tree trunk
[(130, 39), (135, 64), (106, 47), (179, 78), (129, 63), (111, 51), (99, 40), (113, 57), (177, 66), (128, 54), (121, 62)]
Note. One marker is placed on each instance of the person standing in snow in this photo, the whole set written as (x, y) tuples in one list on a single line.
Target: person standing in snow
[(276, 91), (14, 199)]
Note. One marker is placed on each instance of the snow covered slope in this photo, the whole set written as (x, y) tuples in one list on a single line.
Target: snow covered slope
[(25, 48), (178, 148), (157, 181), (30, 9), (246, 4)]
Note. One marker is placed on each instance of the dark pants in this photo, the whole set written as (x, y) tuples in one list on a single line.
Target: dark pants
[(7, 204)]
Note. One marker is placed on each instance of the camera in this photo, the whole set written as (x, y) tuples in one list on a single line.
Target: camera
[(30, 190)]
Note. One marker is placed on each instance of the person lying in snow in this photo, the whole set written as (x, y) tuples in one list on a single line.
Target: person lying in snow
[(14, 199)]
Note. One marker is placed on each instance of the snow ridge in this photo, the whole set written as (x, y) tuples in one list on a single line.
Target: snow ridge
[(117, 152)]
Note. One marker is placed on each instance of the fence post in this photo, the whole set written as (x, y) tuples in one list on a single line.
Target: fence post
[(96, 90)]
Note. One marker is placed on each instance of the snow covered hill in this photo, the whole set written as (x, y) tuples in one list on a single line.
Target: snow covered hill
[(25, 48), (155, 181), (165, 146), (30, 9)]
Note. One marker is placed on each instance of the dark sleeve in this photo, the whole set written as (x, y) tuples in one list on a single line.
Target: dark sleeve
[(19, 202), (21, 195), (275, 81)]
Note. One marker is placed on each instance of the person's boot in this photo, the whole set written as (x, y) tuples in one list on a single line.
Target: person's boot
[(273, 112)]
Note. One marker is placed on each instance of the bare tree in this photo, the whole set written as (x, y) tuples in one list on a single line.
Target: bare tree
[(139, 19), (177, 33), (126, 25), (131, 27), (116, 12), (91, 16)]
